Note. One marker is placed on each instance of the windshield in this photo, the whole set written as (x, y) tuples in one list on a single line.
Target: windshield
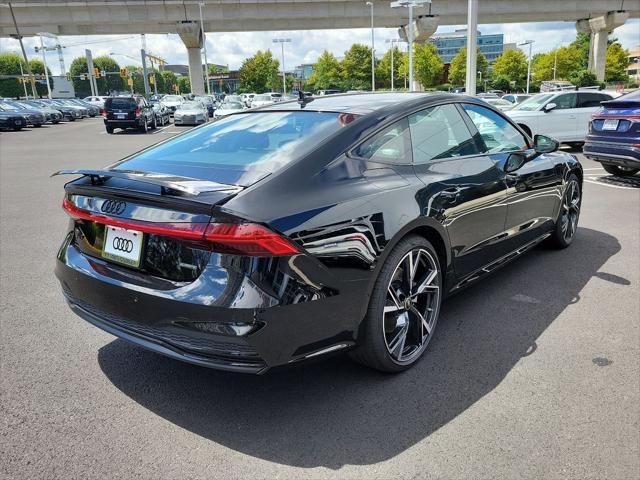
[(190, 106), (635, 95), (262, 98), (7, 106), (232, 106), (534, 103), (239, 149), (232, 98)]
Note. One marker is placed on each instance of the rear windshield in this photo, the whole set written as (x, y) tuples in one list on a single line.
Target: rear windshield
[(239, 149), (120, 102)]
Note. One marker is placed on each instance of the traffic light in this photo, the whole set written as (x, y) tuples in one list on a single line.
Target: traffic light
[(124, 73), (69, 76), (130, 82), (96, 72), (152, 79)]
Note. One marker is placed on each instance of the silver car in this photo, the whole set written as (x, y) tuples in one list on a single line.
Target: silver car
[(191, 113)]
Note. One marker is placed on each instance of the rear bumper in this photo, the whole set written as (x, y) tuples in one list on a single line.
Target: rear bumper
[(620, 154), (190, 321), (123, 123)]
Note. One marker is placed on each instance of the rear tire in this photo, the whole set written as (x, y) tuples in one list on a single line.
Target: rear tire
[(154, 125), (403, 309), (109, 130), (144, 128), (620, 171), (567, 221)]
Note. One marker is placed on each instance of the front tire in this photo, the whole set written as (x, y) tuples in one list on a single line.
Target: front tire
[(620, 171), (567, 222), (404, 308), (154, 125)]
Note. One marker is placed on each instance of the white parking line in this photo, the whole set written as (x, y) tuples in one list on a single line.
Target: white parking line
[(611, 186)]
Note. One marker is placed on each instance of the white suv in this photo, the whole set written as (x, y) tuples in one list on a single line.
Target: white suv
[(563, 115)]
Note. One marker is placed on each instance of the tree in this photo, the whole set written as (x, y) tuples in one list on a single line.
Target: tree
[(259, 73), (10, 65), (111, 82), (458, 67), (616, 64), (581, 46), (501, 82), (168, 80), (356, 68), (583, 78), (37, 69), (567, 60), (326, 72), (184, 84), (428, 65), (512, 65), (78, 67), (383, 69)]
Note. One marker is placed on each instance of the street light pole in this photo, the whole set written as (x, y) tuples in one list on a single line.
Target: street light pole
[(44, 61), (530, 43), (204, 41), (392, 41), (410, 4), (373, 52), (282, 41), (26, 95)]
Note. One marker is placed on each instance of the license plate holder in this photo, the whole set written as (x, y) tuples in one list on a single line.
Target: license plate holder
[(122, 246), (121, 116), (610, 124)]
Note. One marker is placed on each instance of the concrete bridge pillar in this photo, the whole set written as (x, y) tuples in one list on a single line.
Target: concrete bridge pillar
[(423, 28), (599, 28), (191, 35)]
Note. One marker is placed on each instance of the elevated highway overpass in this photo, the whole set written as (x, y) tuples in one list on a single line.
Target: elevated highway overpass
[(104, 17)]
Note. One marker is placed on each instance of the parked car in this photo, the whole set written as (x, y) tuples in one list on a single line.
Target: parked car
[(329, 91), (51, 115), (34, 117), (93, 110), (83, 109), (172, 102), (262, 100), (498, 93), (282, 234), (232, 99), (614, 135), (207, 102), (515, 97), (500, 103), (163, 115), (563, 114), (11, 120), (191, 113), (69, 113), (247, 98), (228, 108), (95, 100), (128, 112)]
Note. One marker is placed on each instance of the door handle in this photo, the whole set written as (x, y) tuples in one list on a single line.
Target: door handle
[(572, 117)]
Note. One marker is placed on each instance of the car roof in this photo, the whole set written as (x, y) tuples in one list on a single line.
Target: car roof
[(363, 103)]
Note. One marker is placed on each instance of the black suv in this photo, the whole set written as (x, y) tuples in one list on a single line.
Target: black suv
[(128, 112)]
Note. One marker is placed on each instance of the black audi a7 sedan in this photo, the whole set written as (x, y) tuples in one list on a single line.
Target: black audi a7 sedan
[(321, 225)]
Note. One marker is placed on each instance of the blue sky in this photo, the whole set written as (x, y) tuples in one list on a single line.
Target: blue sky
[(232, 48)]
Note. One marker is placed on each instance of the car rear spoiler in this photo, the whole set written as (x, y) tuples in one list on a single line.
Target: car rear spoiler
[(184, 185)]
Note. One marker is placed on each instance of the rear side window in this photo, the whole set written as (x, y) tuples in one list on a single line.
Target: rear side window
[(259, 142), (391, 145), (116, 102), (497, 133), (591, 99), (564, 101), (440, 132)]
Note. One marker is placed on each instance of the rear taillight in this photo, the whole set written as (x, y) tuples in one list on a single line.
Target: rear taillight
[(103, 112), (137, 111), (235, 238)]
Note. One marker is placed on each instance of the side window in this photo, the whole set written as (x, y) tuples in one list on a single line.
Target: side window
[(440, 132), (564, 101), (591, 99), (390, 145), (496, 132)]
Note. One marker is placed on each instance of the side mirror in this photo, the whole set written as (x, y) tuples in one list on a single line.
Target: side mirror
[(514, 162), (549, 106), (544, 144)]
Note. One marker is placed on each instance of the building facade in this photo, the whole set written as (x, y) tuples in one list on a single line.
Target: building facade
[(633, 70), (450, 43), (303, 71)]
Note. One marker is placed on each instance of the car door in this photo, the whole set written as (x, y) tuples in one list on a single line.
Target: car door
[(588, 103), (533, 191), (561, 122), (463, 188)]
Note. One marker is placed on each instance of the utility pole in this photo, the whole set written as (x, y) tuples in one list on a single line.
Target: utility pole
[(472, 47), (530, 43), (282, 41), (46, 70), (92, 78), (24, 85), (204, 42)]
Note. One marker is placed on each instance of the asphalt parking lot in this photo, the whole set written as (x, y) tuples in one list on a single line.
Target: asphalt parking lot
[(533, 374)]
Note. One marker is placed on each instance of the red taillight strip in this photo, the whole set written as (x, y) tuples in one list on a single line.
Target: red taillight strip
[(597, 116), (242, 238)]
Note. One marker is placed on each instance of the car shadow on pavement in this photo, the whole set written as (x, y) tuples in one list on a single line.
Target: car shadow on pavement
[(336, 413)]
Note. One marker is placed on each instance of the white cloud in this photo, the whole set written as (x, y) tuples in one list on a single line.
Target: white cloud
[(305, 47)]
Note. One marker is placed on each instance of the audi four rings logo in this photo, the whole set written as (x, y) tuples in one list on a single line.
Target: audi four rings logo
[(113, 206), (122, 244)]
